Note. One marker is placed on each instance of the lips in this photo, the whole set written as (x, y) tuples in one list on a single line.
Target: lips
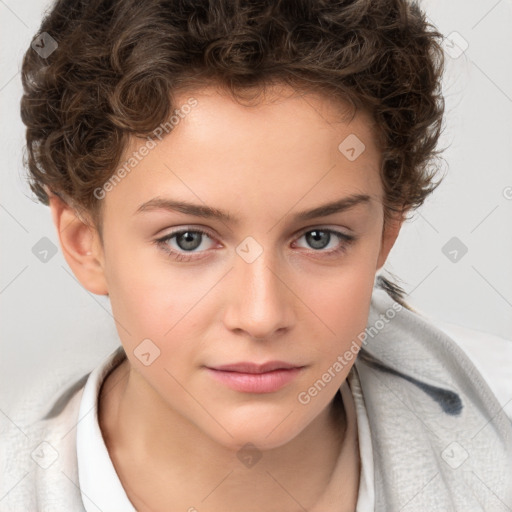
[(248, 367), (249, 377)]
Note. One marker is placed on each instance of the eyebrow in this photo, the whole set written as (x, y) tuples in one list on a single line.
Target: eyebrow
[(208, 212)]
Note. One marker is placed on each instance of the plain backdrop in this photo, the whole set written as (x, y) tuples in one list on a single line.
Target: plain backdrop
[(453, 257)]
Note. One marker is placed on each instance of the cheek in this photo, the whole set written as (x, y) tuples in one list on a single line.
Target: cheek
[(343, 302), (144, 298), (154, 300)]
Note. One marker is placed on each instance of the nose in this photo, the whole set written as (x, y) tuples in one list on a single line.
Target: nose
[(260, 302)]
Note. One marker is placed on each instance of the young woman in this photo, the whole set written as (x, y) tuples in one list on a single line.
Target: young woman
[(233, 175)]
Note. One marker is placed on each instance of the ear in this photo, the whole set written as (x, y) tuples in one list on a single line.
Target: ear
[(81, 246), (390, 232)]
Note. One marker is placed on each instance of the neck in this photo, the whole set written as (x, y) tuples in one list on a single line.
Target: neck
[(189, 469)]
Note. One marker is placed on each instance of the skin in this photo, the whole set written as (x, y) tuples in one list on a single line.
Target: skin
[(295, 303)]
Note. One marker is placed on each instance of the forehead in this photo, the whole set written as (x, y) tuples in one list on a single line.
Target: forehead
[(284, 147), (279, 113)]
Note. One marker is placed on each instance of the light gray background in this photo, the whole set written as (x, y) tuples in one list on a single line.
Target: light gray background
[(51, 327)]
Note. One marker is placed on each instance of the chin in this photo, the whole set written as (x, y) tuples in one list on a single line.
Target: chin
[(265, 431), (255, 441)]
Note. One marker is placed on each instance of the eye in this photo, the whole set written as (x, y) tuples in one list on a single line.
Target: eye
[(182, 245), (320, 238), (186, 240)]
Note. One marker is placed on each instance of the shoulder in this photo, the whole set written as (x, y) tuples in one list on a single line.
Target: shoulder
[(492, 356), (413, 344), (38, 450), (38, 460), (428, 395)]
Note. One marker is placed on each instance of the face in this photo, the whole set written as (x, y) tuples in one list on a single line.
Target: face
[(264, 282)]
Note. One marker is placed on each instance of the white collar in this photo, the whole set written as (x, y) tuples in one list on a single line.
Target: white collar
[(99, 483)]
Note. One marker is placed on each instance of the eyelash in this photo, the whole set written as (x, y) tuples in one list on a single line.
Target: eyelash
[(346, 241)]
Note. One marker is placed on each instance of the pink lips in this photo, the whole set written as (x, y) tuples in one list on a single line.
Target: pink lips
[(255, 378)]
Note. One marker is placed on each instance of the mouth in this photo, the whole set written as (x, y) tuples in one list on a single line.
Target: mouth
[(256, 378), (249, 367)]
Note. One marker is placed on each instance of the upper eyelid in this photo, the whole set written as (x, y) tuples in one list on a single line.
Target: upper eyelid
[(179, 231), (324, 228)]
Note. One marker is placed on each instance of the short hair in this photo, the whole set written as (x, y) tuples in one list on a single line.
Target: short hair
[(119, 64)]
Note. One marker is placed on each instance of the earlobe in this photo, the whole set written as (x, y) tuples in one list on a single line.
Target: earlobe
[(80, 246)]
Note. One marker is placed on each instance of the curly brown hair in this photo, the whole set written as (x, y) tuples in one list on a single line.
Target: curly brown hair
[(119, 63)]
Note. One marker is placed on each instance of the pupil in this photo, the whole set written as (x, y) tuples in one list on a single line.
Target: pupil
[(315, 239), (190, 240)]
